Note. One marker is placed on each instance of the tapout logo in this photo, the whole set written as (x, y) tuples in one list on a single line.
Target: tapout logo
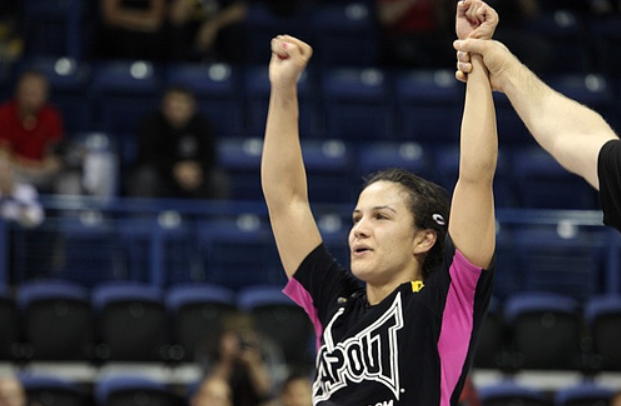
[(370, 355)]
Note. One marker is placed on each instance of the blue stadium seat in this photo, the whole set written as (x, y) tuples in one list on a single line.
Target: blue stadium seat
[(545, 330), (257, 91), (509, 393), (277, 317), (430, 104), (511, 129), (222, 243), (357, 104), (329, 168), (334, 229), (69, 81), (606, 42), (54, 27), (375, 156), (131, 322), (560, 257), (88, 249), (125, 92), (159, 250), (46, 390), (218, 92), (346, 34), (542, 183), (133, 390), (56, 320), (566, 30), (583, 394), (9, 340), (196, 313), (240, 158), (602, 315)]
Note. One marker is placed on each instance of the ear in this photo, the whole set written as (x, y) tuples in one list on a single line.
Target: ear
[(424, 241)]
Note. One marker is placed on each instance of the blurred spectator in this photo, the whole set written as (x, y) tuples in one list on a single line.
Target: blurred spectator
[(518, 17), (32, 131), (19, 202), (133, 29), (11, 42), (295, 391), (212, 391), (416, 33), (208, 29), (12, 392), (177, 152), (242, 358), (615, 400), (605, 8)]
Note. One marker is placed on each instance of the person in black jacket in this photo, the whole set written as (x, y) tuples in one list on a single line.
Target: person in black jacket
[(177, 152)]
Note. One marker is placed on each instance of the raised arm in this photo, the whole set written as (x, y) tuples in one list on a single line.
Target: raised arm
[(571, 132), (472, 218), (283, 176)]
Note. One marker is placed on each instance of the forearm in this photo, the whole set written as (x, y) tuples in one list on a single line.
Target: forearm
[(568, 130), (282, 169), (260, 378), (479, 142)]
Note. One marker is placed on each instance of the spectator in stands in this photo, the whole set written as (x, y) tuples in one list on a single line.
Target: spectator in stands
[(12, 392), (177, 152), (296, 390), (615, 400), (415, 33), (470, 394), (212, 391), (19, 202), (208, 30), (32, 132), (242, 359), (133, 29), (576, 136)]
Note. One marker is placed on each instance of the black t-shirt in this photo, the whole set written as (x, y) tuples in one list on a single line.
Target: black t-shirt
[(609, 173), (414, 348)]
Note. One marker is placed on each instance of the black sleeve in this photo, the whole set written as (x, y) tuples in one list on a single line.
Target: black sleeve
[(609, 173)]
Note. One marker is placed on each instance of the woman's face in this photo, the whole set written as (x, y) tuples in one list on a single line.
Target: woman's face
[(382, 239)]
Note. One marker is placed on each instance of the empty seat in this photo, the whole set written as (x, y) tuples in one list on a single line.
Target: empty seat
[(241, 159), (509, 393), (545, 330), (559, 257), (131, 322), (346, 34), (329, 168), (133, 390), (603, 317), (583, 394), (56, 321), (125, 92), (196, 313), (53, 391), (357, 104), (409, 155), (239, 251), (542, 183), (429, 106), (277, 317)]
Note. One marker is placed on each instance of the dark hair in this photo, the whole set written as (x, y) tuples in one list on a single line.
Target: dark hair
[(428, 203)]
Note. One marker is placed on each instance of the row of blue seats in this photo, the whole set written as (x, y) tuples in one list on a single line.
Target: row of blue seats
[(551, 331), (347, 103), (169, 248), (54, 320)]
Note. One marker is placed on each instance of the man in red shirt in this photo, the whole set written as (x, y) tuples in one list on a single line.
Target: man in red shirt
[(30, 128)]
